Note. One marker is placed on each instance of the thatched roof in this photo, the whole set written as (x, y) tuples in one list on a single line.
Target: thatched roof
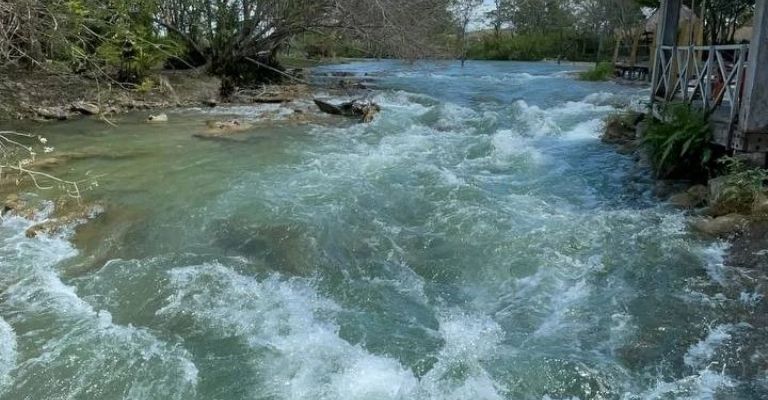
[(685, 15), (745, 32)]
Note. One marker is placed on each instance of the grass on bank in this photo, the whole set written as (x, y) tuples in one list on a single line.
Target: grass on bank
[(742, 185), (601, 72)]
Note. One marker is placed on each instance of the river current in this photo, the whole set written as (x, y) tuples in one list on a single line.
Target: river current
[(476, 241)]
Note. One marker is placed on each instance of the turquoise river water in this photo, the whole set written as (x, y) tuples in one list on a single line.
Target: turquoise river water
[(476, 241)]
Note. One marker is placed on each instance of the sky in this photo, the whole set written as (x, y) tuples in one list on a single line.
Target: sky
[(481, 23)]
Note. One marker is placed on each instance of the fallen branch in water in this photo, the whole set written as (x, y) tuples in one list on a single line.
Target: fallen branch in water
[(17, 156)]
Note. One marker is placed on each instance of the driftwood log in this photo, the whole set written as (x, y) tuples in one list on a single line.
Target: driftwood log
[(365, 110)]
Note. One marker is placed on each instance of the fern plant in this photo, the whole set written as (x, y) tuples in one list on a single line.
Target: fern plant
[(679, 143)]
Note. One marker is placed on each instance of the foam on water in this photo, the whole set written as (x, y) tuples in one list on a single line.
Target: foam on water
[(85, 346), (701, 353), (536, 121), (704, 385), (508, 147), (302, 356), (470, 340), (70, 343), (715, 261), (7, 353), (514, 78)]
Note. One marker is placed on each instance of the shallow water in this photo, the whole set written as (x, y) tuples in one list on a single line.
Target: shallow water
[(475, 241)]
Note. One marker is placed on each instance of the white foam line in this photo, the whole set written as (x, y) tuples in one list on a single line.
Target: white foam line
[(7, 352)]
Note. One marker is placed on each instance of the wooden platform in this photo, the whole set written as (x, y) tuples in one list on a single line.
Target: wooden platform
[(639, 71)]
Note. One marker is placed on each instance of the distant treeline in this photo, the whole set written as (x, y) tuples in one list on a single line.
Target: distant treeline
[(538, 46)]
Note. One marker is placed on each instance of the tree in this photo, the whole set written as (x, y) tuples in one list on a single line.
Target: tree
[(237, 39), (464, 12), (499, 16), (722, 18)]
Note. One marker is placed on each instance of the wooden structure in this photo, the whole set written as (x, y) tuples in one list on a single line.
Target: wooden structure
[(729, 82), (636, 60)]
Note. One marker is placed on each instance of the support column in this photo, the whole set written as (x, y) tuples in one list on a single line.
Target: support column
[(668, 22), (666, 35), (753, 117)]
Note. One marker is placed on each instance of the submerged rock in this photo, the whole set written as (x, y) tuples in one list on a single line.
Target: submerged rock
[(617, 133), (65, 216), (85, 108), (682, 200), (233, 125), (286, 248), (760, 207), (694, 197), (57, 113), (15, 205), (750, 249), (721, 226), (158, 118), (57, 159), (223, 129), (700, 193)]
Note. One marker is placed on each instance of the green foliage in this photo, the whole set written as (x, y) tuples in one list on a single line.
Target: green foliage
[(150, 51), (601, 72), (679, 144), (88, 35), (743, 184), (146, 86)]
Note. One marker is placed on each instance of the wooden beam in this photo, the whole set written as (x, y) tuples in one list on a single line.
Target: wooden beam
[(668, 22), (753, 117), (666, 35)]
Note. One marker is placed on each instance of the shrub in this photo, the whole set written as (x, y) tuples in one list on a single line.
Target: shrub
[(679, 143), (601, 72), (625, 118), (742, 185)]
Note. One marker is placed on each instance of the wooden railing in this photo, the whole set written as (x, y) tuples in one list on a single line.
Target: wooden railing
[(709, 77)]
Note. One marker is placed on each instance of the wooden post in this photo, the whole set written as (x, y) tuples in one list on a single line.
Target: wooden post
[(633, 52), (753, 117), (666, 35), (616, 51), (668, 23)]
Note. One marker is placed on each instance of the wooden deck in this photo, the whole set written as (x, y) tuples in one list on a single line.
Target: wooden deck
[(633, 72), (728, 82), (710, 78)]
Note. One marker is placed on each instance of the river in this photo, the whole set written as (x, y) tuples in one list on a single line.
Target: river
[(476, 241)]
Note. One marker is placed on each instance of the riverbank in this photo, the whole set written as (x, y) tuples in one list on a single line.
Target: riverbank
[(54, 94), (713, 211), (48, 95)]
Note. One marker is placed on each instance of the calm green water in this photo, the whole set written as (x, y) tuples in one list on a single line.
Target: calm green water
[(476, 241)]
